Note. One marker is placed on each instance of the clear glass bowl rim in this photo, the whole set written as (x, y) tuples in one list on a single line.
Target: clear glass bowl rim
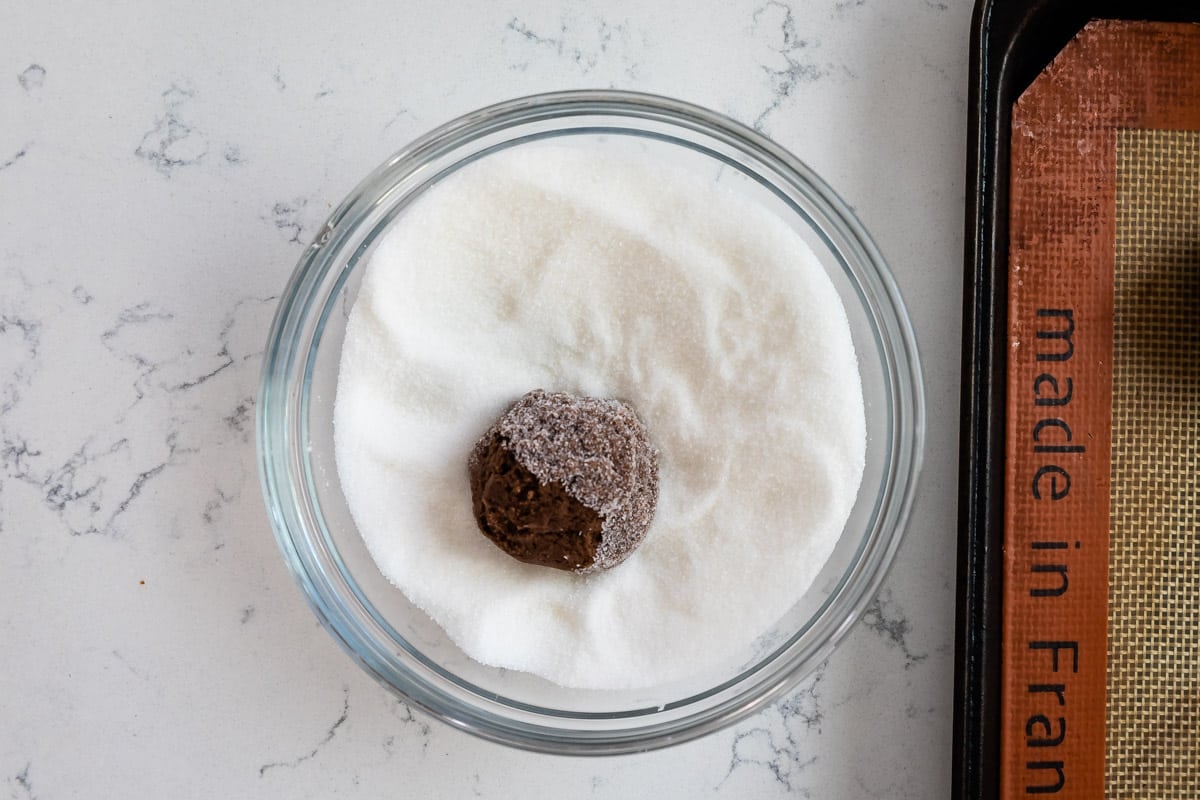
[(282, 404)]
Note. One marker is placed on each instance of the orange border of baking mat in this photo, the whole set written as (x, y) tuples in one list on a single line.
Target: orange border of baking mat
[(1113, 75)]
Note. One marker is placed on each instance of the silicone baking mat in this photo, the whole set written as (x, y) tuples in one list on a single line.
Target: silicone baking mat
[(1153, 689), (1100, 677)]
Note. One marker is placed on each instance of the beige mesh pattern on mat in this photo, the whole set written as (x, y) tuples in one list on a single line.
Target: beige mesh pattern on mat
[(1153, 703)]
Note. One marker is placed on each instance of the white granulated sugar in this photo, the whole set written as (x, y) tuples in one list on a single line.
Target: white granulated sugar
[(571, 269)]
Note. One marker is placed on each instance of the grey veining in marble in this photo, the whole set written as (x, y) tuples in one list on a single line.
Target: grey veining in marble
[(161, 170)]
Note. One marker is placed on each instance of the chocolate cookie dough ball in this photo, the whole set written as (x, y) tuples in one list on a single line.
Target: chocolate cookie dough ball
[(565, 482)]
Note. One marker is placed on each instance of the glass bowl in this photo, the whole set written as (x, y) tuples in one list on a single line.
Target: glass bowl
[(396, 642)]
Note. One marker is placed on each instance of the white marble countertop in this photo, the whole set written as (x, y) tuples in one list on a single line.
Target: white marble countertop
[(160, 172)]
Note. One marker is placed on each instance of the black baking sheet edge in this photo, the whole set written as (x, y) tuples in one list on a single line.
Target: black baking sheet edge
[(1011, 43)]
